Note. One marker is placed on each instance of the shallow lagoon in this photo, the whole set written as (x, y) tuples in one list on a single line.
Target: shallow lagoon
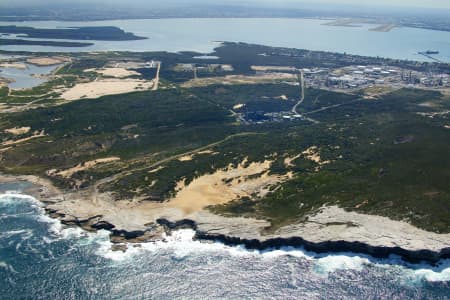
[(26, 78)]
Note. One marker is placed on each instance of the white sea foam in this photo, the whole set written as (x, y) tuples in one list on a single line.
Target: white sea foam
[(418, 273), (182, 244), (431, 275), (7, 267), (286, 251), (332, 263), (13, 197), (12, 233)]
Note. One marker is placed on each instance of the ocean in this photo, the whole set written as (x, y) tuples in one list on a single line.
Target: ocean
[(42, 259)]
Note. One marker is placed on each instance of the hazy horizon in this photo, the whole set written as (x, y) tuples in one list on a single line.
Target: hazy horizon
[(431, 4)]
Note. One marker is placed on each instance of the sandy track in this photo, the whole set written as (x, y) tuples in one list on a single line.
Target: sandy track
[(82, 167)]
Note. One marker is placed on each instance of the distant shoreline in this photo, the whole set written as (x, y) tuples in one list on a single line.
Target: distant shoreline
[(325, 18)]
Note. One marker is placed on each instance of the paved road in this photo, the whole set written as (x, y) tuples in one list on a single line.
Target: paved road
[(333, 106), (155, 86), (302, 98)]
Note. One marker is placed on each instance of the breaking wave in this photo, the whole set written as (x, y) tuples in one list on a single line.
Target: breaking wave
[(181, 244)]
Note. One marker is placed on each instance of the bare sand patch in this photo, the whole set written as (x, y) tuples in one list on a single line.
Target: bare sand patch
[(114, 72), (82, 167), (207, 152), (288, 160), (273, 68), (47, 61), (156, 170), (186, 158), (239, 79), (15, 65), (224, 186), (313, 154), (18, 130), (36, 134), (105, 87)]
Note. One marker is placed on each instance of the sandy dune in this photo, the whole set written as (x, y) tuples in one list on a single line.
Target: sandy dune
[(224, 186), (186, 158), (219, 187), (18, 130), (313, 154), (288, 160)]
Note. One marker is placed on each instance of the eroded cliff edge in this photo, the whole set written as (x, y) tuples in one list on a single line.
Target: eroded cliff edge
[(331, 229)]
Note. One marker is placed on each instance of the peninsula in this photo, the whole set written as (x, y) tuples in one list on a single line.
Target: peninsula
[(252, 145)]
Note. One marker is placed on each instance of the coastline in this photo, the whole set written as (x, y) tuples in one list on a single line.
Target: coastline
[(331, 230)]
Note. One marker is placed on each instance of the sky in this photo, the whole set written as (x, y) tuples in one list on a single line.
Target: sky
[(282, 3), (398, 3)]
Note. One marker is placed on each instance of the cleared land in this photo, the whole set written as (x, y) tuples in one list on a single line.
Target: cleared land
[(105, 87), (47, 61), (114, 72), (239, 79)]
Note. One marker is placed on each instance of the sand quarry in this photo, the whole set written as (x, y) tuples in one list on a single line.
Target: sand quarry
[(104, 87), (117, 82)]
